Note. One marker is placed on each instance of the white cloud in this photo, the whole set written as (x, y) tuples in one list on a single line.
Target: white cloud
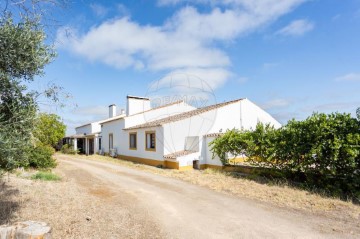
[(349, 77), (196, 78), (99, 10), (276, 103), (296, 28), (186, 40)]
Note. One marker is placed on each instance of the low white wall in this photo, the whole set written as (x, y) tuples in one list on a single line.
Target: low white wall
[(95, 127), (207, 154), (86, 129), (187, 160)]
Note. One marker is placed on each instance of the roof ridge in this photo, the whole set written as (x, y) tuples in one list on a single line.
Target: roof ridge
[(177, 117), (114, 118), (179, 153), (159, 107)]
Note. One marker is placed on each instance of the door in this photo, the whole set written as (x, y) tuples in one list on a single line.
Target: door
[(196, 164), (91, 146)]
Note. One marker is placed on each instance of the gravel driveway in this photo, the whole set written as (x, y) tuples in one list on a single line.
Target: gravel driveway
[(182, 210)]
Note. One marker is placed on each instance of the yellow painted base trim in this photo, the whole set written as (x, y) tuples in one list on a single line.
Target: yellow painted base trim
[(151, 162), (205, 166), (235, 161), (186, 168), (171, 164), (237, 168)]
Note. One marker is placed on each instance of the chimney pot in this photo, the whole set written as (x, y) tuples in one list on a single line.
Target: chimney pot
[(112, 111)]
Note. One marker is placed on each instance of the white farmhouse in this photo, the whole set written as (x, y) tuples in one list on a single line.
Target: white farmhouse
[(175, 135)]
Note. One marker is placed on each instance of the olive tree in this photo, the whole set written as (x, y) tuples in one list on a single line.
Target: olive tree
[(23, 55)]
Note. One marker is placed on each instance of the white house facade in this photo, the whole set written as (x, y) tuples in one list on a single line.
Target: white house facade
[(175, 135)]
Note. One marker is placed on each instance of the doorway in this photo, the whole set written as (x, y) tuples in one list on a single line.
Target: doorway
[(91, 146), (196, 164)]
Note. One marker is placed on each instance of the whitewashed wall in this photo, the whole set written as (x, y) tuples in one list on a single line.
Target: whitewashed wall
[(187, 160), (252, 114), (134, 105), (121, 137), (171, 137), (155, 114), (207, 154), (175, 133), (89, 128), (95, 127), (86, 129), (243, 114), (113, 127), (140, 150)]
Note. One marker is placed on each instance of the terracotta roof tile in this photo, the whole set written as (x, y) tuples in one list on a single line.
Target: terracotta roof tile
[(181, 116), (178, 154), (214, 134), (124, 116)]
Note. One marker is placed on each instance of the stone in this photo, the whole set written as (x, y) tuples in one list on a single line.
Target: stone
[(26, 230)]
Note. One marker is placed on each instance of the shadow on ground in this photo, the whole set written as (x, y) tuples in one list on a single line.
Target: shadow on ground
[(7, 204)]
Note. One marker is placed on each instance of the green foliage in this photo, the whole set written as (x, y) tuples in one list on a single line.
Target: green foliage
[(17, 114), (23, 55), (41, 157), (321, 151), (358, 113), (68, 149), (49, 129), (45, 176), (260, 146), (256, 145)]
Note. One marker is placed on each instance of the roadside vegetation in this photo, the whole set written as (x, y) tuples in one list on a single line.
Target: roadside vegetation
[(27, 135), (68, 149), (45, 176), (321, 153)]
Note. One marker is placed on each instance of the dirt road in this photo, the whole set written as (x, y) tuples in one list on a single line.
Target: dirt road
[(181, 210)]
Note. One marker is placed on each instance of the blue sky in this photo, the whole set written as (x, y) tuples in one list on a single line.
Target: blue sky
[(291, 57)]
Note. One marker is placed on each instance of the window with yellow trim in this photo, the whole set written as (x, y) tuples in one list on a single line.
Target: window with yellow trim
[(150, 141), (133, 140)]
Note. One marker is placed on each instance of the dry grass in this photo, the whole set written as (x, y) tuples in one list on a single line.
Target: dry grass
[(280, 195), (71, 210)]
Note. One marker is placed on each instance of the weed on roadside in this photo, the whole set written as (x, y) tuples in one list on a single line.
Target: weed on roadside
[(46, 176)]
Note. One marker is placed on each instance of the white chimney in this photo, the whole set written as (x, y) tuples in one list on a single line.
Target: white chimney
[(136, 104), (122, 112), (112, 110)]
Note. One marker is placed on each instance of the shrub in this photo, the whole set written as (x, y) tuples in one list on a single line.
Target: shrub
[(321, 151), (41, 157), (68, 149), (45, 176)]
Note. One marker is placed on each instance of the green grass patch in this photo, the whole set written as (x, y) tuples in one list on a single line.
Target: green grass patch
[(46, 176)]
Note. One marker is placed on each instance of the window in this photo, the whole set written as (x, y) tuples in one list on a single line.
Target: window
[(132, 140), (111, 142), (150, 141), (99, 143)]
